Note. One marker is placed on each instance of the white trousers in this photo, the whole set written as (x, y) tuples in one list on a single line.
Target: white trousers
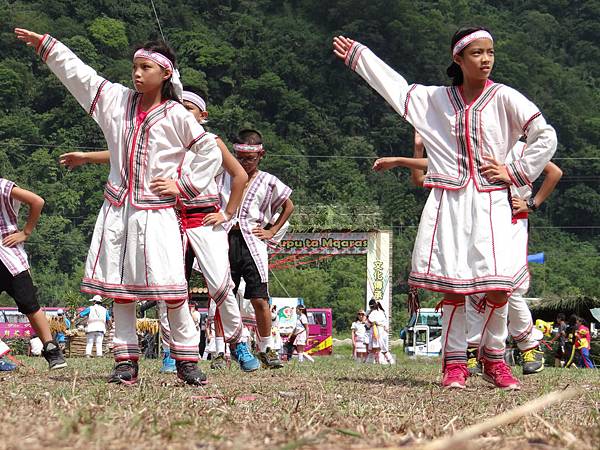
[(184, 337), (91, 338), (520, 322), (210, 246)]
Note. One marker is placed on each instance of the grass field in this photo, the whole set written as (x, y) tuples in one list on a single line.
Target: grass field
[(332, 403)]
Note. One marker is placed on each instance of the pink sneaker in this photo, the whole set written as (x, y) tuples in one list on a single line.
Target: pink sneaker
[(455, 376), (500, 375)]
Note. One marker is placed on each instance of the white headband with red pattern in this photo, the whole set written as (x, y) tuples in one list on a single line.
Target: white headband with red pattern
[(466, 40), (165, 63), (248, 148)]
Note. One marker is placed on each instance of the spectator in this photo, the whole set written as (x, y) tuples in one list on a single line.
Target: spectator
[(378, 336), (59, 336), (5, 364), (275, 329), (301, 331), (582, 345), (98, 316), (561, 337), (359, 337)]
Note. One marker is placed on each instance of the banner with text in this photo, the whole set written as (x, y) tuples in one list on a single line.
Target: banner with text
[(379, 269), (323, 244)]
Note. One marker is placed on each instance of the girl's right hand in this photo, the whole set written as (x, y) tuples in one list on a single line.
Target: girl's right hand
[(341, 46), (383, 164), (29, 37), (72, 160)]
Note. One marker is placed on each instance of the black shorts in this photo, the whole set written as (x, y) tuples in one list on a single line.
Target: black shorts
[(243, 266), (20, 287)]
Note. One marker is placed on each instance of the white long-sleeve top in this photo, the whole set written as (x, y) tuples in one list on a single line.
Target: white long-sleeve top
[(457, 135), (264, 195), (138, 152)]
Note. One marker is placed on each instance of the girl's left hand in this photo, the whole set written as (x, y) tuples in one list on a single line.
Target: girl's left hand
[(29, 37), (215, 219), (164, 186), (13, 239), (519, 205), (494, 171), (263, 234)]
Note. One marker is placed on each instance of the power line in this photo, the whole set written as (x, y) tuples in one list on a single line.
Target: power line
[(79, 147)]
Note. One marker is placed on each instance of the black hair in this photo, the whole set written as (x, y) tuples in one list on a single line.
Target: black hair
[(248, 136), (168, 90), (454, 71), (560, 316)]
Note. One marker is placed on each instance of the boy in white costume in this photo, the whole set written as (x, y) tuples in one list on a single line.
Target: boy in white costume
[(136, 251), (464, 239), (520, 322), (250, 231)]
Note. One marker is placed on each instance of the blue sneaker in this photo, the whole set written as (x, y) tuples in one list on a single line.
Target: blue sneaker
[(168, 365), (6, 365), (247, 361)]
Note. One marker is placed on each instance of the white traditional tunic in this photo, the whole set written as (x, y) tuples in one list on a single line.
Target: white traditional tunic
[(464, 241), (14, 258), (136, 251), (263, 197)]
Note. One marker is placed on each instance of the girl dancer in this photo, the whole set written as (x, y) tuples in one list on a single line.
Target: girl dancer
[(136, 251), (464, 241)]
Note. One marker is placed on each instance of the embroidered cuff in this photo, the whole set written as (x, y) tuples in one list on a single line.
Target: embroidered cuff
[(354, 55), (517, 174), (186, 187), (45, 46)]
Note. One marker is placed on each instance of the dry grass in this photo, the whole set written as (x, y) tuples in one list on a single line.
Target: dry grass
[(333, 403)]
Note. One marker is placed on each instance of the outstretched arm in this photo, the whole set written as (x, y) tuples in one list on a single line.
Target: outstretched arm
[(381, 77), (36, 203), (391, 162), (75, 159)]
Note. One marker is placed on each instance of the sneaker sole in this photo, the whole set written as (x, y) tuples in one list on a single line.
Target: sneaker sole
[(531, 372), (512, 387), (455, 385), (58, 366), (124, 382)]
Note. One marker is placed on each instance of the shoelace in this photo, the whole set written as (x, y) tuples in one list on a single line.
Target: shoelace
[(454, 370), (502, 370), (243, 353), (529, 356)]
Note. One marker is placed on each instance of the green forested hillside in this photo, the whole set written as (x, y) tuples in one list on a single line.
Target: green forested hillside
[(269, 64)]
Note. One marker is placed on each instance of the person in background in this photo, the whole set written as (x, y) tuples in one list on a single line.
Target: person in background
[(378, 336), (582, 345), (98, 316), (561, 337), (275, 329), (359, 337), (301, 331), (5, 364), (60, 337)]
